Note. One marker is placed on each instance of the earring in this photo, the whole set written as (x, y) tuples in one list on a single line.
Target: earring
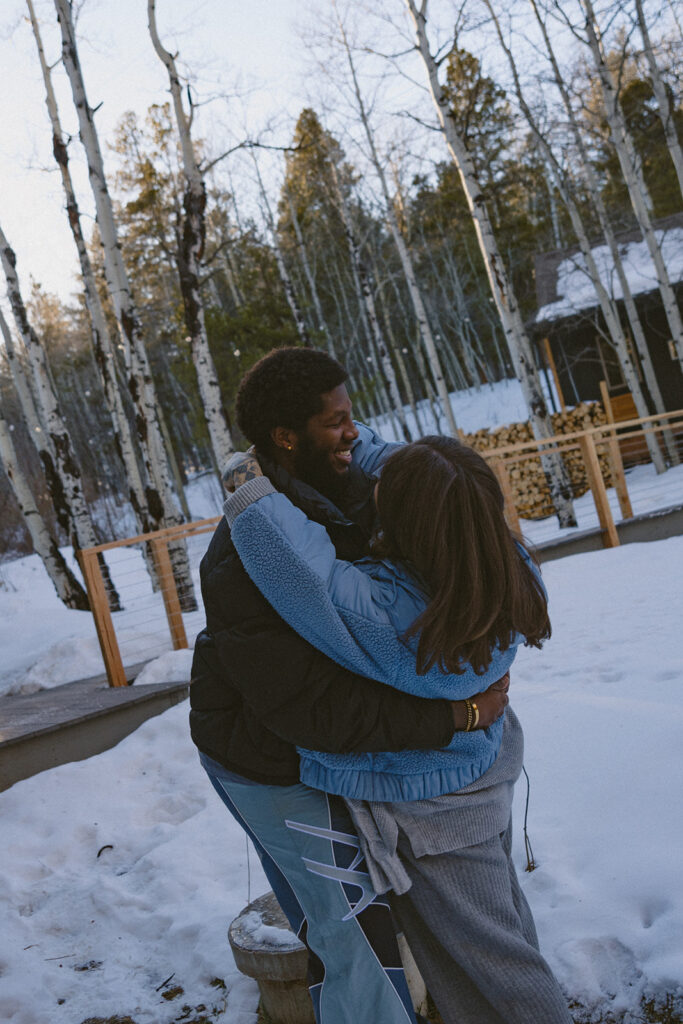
[(288, 447)]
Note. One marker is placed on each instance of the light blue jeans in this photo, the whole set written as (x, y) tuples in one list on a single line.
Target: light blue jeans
[(311, 857)]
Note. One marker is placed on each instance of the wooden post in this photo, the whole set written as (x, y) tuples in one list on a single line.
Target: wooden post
[(616, 461), (169, 592), (610, 537), (501, 472), (550, 359), (99, 606)]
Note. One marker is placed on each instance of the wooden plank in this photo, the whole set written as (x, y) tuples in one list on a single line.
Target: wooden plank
[(169, 592), (175, 532), (610, 537), (550, 359), (606, 401), (616, 461), (501, 472), (99, 606)]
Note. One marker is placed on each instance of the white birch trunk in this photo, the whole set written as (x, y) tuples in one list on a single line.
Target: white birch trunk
[(664, 109), (369, 309), (285, 276), (308, 274), (105, 358), (403, 252), (160, 499), (189, 256), (503, 294), (231, 278), (60, 466), (69, 590), (607, 305), (639, 339), (633, 176)]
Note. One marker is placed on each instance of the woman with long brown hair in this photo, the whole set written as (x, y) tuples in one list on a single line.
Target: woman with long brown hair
[(439, 609)]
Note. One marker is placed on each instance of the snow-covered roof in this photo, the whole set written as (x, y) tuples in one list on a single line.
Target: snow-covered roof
[(565, 287)]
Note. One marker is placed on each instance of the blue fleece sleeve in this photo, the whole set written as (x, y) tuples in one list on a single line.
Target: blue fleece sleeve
[(370, 451), (293, 562), (337, 607)]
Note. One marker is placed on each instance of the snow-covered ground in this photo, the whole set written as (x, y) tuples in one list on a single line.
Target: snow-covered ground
[(123, 871), (647, 491)]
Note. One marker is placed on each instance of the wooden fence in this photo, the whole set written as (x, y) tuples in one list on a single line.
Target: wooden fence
[(599, 450)]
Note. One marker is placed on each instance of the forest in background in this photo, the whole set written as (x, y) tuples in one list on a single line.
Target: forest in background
[(404, 247)]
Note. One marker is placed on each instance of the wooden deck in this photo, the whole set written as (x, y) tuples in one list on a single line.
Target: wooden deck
[(74, 721)]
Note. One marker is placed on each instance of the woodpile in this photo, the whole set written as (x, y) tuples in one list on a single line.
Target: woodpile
[(529, 486)]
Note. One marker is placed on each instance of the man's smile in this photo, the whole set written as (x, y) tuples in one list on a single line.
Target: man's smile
[(343, 456)]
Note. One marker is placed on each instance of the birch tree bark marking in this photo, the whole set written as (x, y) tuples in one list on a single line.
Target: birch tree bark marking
[(285, 276), (664, 109), (606, 227), (105, 358), (633, 176), (60, 466), (605, 302), (190, 250), (69, 590), (505, 299), (368, 307), (308, 274), (139, 379), (403, 252), (160, 499)]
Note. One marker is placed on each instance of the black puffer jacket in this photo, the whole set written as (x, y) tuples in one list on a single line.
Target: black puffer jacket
[(258, 689)]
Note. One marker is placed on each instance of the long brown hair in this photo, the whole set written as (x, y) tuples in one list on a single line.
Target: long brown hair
[(441, 511)]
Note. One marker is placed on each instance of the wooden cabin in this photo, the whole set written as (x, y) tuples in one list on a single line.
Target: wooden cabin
[(569, 329)]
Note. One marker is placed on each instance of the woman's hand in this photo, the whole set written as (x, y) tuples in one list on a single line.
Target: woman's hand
[(491, 704), (240, 467)]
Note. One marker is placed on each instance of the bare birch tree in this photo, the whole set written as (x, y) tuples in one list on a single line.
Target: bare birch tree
[(631, 169), (160, 498), (664, 106), (189, 257), (69, 590), (367, 305), (308, 273), (606, 303), (508, 308), (400, 242), (60, 465), (103, 348), (594, 192), (285, 276)]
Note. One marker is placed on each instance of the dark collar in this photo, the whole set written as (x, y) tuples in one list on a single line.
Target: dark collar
[(316, 505)]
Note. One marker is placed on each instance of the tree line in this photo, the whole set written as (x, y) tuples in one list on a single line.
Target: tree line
[(417, 273)]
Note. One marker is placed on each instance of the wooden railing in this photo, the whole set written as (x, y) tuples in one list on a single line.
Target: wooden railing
[(156, 546), (162, 605)]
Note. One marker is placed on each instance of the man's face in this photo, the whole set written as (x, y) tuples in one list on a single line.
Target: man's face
[(323, 452)]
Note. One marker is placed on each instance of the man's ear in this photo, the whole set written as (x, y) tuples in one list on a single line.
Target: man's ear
[(284, 438)]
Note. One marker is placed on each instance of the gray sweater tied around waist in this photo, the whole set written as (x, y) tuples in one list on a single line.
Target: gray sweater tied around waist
[(469, 816)]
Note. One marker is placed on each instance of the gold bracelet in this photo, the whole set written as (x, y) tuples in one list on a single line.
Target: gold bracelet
[(476, 716), (470, 714)]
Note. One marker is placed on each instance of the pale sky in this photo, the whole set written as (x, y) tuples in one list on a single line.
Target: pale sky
[(220, 40)]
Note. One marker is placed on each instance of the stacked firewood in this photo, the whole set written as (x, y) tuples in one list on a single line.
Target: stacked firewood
[(529, 485)]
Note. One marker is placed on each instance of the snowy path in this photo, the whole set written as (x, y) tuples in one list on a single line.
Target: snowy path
[(603, 720)]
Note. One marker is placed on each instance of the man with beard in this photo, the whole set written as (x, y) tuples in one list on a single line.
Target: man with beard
[(259, 691)]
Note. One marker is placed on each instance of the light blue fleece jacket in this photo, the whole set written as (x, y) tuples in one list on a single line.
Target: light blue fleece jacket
[(356, 613)]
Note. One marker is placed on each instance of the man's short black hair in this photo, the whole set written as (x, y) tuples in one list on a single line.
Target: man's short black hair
[(283, 389)]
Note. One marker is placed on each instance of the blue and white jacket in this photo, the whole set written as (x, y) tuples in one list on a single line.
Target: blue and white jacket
[(357, 613)]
